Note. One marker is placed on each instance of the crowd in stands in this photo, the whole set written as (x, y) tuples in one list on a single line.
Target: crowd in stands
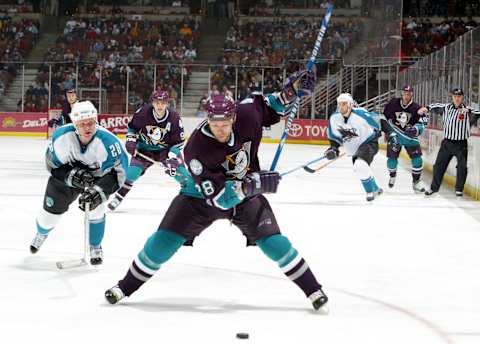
[(422, 37), (104, 47), (281, 44), (16, 40), (441, 8)]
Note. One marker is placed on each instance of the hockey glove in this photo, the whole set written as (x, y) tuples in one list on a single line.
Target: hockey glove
[(93, 195), (411, 131), (131, 144), (393, 142), (298, 84), (331, 153), (171, 165), (54, 122), (79, 178), (260, 182)]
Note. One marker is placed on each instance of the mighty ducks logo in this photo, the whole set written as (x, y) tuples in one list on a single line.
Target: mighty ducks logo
[(155, 135), (237, 164), (403, 118), (347, 133)]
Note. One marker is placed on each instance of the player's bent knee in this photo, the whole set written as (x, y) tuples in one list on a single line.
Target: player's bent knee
[(162, 245), (133, 173), (46, 220), (278, 248), (417, 162)]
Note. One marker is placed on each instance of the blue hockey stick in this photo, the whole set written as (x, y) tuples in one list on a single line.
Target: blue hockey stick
[(296, 105), (302, 166)]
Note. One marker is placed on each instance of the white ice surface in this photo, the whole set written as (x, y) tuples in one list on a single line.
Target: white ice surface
[(404, 269)]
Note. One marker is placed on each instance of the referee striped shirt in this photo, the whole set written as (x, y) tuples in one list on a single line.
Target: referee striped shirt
[(457, 120)]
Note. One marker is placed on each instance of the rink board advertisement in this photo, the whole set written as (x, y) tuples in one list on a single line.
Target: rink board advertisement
[(23, 123)]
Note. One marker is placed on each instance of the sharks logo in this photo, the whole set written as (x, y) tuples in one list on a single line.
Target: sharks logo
[(238, 163), (347, 133), (403, 118), (155, 135)]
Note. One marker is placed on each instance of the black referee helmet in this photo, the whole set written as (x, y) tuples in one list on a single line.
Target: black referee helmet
[(457, 92)]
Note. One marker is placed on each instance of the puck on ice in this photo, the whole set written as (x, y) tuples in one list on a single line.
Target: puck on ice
[(242, 335)]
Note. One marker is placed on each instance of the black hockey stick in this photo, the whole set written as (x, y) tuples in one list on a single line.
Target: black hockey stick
[(313, 170)]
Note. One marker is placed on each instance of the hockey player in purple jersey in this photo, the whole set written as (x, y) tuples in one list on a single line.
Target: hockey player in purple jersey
[(155, 133), (221, 156), (407, 119)]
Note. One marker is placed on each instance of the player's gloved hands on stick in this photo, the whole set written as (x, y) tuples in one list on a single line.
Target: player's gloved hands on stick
[(93, 195), (331, 153), (298, 84), (131, 144), (79, 178), (171, 165), (393, 142), (411, 131), (261, 182)]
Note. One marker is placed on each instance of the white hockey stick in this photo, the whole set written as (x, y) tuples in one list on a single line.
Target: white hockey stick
[(74, 263)]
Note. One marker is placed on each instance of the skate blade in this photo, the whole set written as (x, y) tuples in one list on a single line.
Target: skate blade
[(74, 263), (324, 310)]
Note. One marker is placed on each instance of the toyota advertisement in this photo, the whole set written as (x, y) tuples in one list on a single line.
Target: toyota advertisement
[(308, 130)]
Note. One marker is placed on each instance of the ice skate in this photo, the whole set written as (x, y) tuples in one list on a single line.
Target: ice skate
[(372, 195), (96, 255), (430, 193), (115, 202), (418, 186), (319, 301), (114, 294), (37, 242), (391, 181)]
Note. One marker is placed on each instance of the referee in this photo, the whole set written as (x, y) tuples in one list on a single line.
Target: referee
[(457, 120)]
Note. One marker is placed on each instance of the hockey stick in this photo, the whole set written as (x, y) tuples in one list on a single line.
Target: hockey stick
[(302, 166), (313, 170), (67, 264), (146, 157), (296, 104)]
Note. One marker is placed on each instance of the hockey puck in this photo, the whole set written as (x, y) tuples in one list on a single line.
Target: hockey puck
[(242, 335)]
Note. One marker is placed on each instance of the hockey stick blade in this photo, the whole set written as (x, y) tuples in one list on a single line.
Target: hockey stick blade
[(74, 263), (313, 170)]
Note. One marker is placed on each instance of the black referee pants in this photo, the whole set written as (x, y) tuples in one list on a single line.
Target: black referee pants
[(448, 150)]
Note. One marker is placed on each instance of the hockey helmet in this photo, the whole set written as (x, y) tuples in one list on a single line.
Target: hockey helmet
[(83, 110), (345, 97), (160, 95), (220, 107)]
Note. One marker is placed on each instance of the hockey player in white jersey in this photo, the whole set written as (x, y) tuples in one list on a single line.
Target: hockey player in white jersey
[(358, 131), (83, 159)]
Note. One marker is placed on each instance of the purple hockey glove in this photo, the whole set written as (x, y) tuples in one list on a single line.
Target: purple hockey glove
[(171, 165), (298, 84), (411, 131), (261, 182), (131, 144)]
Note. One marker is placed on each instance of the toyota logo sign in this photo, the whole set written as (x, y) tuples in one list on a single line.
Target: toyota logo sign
[(295, 130)]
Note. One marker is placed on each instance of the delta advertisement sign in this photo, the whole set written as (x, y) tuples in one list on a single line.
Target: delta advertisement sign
[(36, 123)]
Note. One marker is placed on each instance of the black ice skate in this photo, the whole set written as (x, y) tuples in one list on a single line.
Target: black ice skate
[(459, 193), (372, 195), (391, 181), (96, 255), (114, 294), (37, 242), (430, 193), (319, 300), (115, 202)]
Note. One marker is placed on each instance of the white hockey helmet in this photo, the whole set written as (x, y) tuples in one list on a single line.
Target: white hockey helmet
[(345, 98), (83, 110)]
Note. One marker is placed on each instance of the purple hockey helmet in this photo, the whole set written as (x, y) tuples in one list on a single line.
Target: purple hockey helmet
[(220, 108), (160, 95)]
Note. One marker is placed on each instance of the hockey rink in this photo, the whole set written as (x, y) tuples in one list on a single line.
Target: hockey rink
[(402, 269)]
